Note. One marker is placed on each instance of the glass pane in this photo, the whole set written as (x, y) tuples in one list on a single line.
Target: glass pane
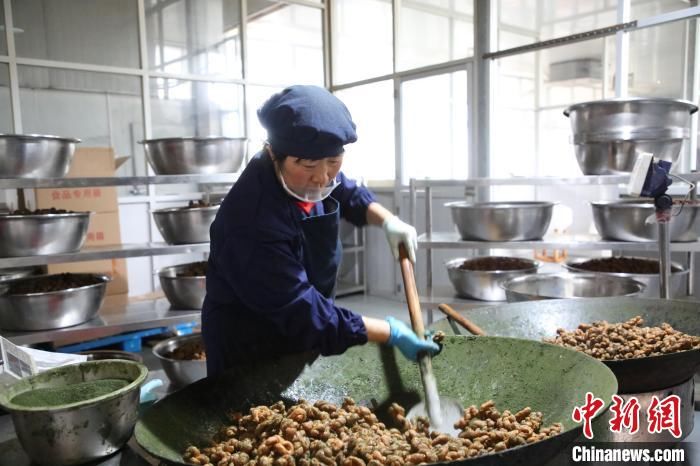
[(546, 19), (372, 109), (434, 127), (256, 97), (361, 26), (645, 8), (450, 34), (182, 108), (657, 64), (528, 106), (3, 40), (5, 109), (101, 32), (104, 110), (201, 37), (285, 44)]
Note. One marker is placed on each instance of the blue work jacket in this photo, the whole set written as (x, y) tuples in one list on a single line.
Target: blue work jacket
[(260, 303)]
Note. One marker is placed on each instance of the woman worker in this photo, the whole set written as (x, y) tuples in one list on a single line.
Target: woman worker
[(275, 247)]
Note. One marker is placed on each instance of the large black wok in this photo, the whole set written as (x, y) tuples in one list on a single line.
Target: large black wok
[(514, 373), (541, 319)]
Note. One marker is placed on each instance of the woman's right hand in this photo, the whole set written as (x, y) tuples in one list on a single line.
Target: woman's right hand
[(406, 340)]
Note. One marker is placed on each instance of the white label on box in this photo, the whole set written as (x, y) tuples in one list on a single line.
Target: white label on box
[(16, 362)]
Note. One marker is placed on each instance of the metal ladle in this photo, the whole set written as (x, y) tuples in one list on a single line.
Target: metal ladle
[(442, 412)]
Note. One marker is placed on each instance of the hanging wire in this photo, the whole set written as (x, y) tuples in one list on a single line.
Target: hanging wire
[(687, 195)]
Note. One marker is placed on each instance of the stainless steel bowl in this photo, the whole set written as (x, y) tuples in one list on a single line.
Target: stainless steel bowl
[(19, 272), (182, 292), (180, 373), (33, 235), (35, 155), (679, 276), (501, 221), (185, 225), (54, 309), (483, 284), (78, 432), (557, 286), (608, 134), (625, 221), (195, 155)]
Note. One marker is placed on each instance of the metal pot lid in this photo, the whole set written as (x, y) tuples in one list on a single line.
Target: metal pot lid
[(692, 108)]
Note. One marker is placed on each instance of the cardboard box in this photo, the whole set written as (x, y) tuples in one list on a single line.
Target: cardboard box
[(115, 268), (88, 162), (104, 229)]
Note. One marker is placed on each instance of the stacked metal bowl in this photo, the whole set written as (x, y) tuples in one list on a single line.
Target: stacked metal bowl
[(641, 269), (185, 225), (481, 277), (625, 220), (172, 353), (42, 233), (501, 221), (24, 307), (185, 285), (608, 134), (559, 286), (35, 155), (195, 155)]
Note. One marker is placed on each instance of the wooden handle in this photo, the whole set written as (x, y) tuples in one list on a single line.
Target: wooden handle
[(409, 285), (470, 326)]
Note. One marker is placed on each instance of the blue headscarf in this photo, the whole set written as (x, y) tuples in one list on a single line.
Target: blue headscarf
[(307, 122)]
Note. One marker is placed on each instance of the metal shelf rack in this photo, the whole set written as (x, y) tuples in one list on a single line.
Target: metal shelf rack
[(451, 240), (114, 316)]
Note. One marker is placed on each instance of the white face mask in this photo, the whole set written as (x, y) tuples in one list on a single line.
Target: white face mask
[(310, 194)]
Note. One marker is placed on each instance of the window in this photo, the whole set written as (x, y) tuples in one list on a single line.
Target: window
[(196, 108), (5, 108), (99, 32), (538, 20), (372, 108), (434, 114), (645, 8), (3, 40), (201, 37), (362, 39), (432, 32), (285, 44), (256, 96)]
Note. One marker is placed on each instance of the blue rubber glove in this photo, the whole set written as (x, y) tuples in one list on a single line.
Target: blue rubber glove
[(405, 339)]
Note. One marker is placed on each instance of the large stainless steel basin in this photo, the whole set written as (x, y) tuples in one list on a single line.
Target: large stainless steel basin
[(53, 309), (608, 134), (195, 155), (679, 276), (183, 292), (624, 220), (501, 221), (35, 155), (558, 286), (185, 225), (181, 372), (31, 235), (484, 284), (78, 432)]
